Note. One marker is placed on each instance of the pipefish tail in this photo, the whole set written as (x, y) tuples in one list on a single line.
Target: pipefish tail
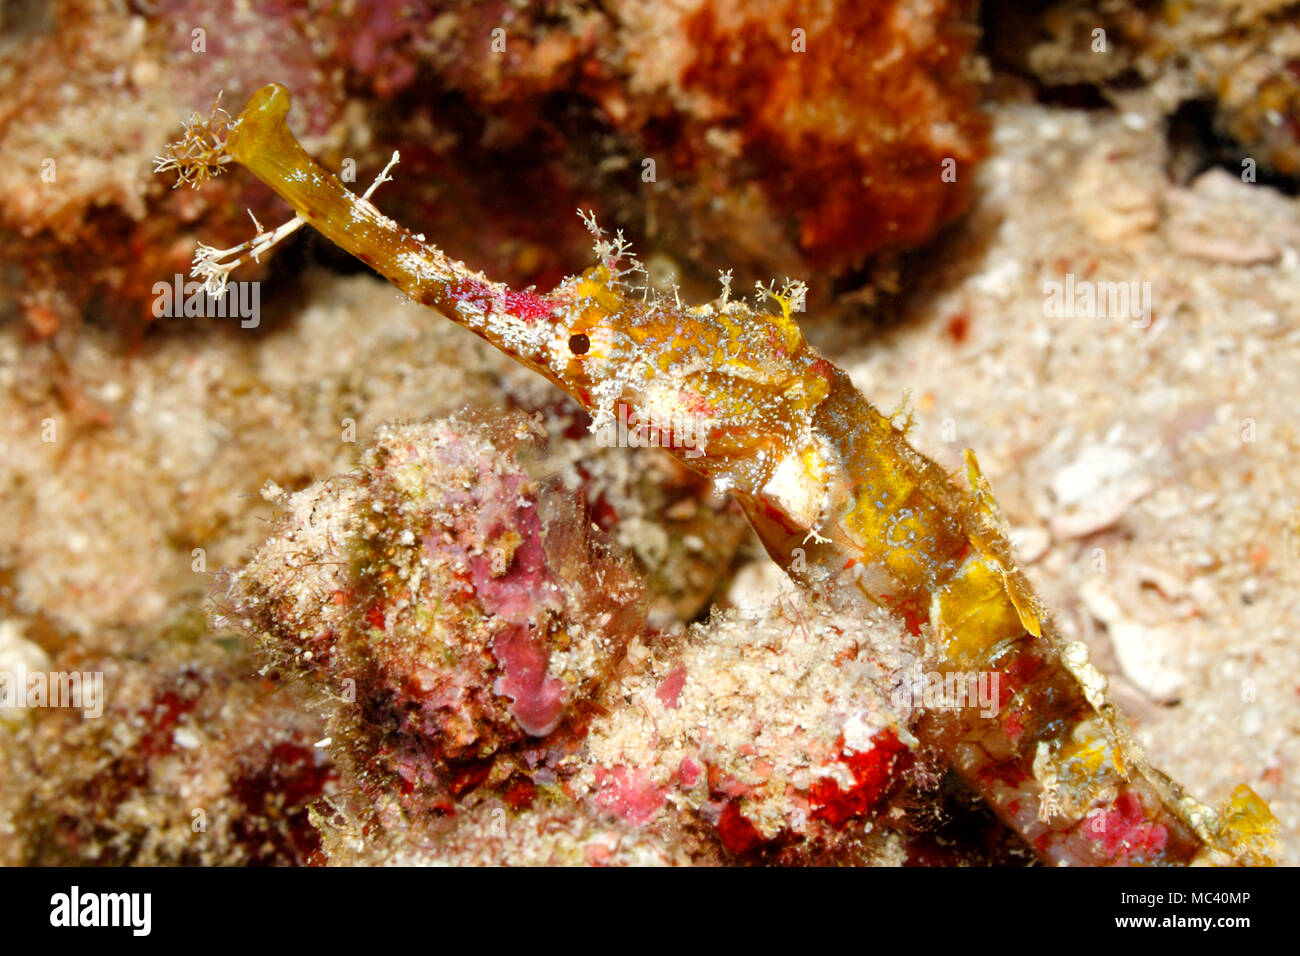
[(841, 501)]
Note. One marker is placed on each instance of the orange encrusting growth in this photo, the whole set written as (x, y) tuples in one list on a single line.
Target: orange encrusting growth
[(841, 501)]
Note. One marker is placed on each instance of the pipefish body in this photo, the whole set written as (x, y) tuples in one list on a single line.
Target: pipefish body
[(841, 501)]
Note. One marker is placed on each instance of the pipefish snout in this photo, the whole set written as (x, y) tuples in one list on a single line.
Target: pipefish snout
[(853, 513)]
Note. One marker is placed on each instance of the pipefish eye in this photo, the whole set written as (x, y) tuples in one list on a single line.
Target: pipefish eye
[(579, 344)]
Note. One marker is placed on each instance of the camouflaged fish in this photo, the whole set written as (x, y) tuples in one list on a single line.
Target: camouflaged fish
[(841, 501)]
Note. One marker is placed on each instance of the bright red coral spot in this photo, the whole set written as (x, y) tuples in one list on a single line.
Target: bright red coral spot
[(1014, 725), (913, 615), (958, 326), (1018, 675), (913, 619), (737, 833), (873, 775)]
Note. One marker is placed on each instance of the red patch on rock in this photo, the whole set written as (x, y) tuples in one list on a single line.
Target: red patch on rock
[(688, 772), (1007, 773), (1014, 725), (958, 327), (1023, 669), (520, 794), (468, 776), (628, 794), (671, 687), (873, 775), (737, 833), (537, 699), (913, 614)]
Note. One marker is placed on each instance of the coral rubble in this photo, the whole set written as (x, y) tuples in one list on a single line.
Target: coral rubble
[(521, 112), (1239, 58), (484, 666)]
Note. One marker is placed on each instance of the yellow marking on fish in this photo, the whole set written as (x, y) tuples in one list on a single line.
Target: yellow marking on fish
[(972, 613), (1016, 592)]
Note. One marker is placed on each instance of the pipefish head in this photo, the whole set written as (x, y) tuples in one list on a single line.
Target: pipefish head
[(720, 369)]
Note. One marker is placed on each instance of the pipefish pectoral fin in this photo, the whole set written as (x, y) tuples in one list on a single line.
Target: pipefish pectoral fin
[(1250, 827), (1018, 594), (1017, 590)]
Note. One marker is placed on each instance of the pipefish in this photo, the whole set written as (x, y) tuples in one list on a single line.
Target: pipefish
[(853, 513)]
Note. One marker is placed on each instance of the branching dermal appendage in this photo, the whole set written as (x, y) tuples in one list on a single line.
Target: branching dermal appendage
[(200, 154), (214, 266), (724, 300), (792, 297), (615, 255), (383, 176)]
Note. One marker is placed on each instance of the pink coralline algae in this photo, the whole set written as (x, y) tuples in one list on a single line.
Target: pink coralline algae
[(451, 610), (537, 698), (492, 691), (626, 792), (512, 581), (671, 688)]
